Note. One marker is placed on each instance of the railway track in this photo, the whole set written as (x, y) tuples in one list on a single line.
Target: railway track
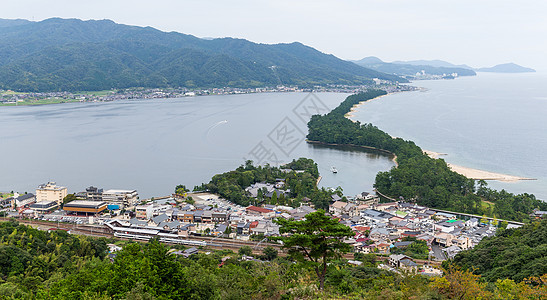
[(209, 242)]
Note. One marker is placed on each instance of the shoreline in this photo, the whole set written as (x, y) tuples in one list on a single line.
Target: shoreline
[(470, 173), (476, 173), (394, 157)]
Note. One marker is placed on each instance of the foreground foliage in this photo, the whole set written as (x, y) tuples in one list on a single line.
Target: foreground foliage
[(316, 240), (56, 265)]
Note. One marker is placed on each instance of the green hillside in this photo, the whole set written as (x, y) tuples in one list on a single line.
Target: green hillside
[(70, 55)]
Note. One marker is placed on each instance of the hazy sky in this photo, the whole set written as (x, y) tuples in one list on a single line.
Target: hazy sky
[(475, 32)]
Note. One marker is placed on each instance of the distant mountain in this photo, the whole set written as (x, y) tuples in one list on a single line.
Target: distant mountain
[(433, 63), (71, 55), (370, 60), (16, 22), (507, 68), (410, 70)]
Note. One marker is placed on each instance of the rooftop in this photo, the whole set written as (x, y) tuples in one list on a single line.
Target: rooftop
[(85, 203)]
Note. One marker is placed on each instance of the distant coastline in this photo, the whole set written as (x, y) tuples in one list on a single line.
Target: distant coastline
[(10, 98)]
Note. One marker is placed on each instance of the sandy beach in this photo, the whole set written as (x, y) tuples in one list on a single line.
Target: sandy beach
[(349, 115), (477, 174), (465, 171)]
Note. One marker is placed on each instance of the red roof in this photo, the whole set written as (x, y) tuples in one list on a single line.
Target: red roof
[(261, 210), (361, 228)]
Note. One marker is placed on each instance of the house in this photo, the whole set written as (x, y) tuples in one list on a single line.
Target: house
[(207, 217), (190, 251), (155, 221), (197, 215), (473, 222), (337, 208), (538, 214), (382, 248), (410, 233), (170, 226), (335, 197), (186, 230), (219, 229), (279, 183), (363, 248), (265, 188), (402, 262), (386, 206), (259, 211), (279, 193), (186, 216), (445, 216), (220, 216), (379, 233), (444, 239), (403, 244), (451, 251)]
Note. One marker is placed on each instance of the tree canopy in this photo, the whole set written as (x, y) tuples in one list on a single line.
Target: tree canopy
[(315, 240)]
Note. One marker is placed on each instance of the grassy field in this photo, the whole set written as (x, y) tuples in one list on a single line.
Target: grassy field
[(5, 195)]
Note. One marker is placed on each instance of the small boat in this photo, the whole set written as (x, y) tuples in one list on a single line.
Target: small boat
[(333, 170)]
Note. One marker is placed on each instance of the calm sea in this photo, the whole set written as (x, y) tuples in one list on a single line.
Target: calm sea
[(153, 145), (492, 122)]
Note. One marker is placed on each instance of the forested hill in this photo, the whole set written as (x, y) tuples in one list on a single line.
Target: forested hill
[(513, 253), (74, 55)]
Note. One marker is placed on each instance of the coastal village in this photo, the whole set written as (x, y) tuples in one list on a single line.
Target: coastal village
[(391, 230), (15, 98)]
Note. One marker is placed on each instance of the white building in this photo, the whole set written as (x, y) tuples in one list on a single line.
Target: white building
[(122, 198)]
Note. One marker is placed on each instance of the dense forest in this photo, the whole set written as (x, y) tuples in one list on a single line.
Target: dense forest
[(41, 265), (419, 178), (516, 254), (231, 185), (75, 55)]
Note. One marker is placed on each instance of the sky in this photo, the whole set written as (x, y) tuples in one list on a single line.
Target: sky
[(478, 33)]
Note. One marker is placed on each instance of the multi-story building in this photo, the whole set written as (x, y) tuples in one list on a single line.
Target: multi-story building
[(51, 192), (94, 194), (144, 212), (123, 198)]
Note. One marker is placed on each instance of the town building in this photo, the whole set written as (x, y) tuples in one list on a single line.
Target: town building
[(94, 194), (85, 207), (122, 198), (51, 192), (22, 202), (44, 207)]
